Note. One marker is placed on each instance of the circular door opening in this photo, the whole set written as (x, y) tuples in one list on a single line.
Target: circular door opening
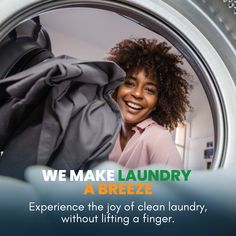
[(206, 136)]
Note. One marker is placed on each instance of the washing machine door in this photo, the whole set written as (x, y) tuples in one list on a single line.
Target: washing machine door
[(193, 28)]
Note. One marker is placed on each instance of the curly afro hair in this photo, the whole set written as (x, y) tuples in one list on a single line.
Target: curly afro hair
[(157, 61)]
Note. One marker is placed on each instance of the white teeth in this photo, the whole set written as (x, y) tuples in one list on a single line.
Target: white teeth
[(134, 106)]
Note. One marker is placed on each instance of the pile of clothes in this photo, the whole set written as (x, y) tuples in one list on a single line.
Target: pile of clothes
[(59, 113)]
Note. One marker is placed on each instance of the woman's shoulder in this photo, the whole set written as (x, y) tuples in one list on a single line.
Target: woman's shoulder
[(155, 135), (156, 130)]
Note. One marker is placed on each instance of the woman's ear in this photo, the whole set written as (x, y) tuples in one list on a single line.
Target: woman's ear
[(155, 107)]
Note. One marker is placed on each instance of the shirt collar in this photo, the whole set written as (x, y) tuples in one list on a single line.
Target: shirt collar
[(144, 124)]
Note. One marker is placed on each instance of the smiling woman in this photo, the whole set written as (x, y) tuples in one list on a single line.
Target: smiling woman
[(152, 99)]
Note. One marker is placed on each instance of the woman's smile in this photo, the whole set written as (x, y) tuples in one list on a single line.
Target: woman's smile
[(134, 105)]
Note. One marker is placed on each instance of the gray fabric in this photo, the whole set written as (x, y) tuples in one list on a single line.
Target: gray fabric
[(59, 113)]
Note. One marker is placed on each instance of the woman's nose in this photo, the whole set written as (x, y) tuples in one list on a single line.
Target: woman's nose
[(137, 92)]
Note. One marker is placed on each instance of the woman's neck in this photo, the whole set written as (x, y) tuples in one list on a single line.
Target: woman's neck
[(126, 134)]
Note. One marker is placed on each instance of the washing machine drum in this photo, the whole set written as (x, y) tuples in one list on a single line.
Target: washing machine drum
[(27, 45), (206, 38)]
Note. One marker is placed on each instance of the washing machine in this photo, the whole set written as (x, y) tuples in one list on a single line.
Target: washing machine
[(203, 31)]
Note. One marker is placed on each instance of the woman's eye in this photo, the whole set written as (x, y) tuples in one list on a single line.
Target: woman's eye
[(151, 90)]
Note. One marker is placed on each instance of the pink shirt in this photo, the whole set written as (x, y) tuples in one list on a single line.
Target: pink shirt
[(150, 144)]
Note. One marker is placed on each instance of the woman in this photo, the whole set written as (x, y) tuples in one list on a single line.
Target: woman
[(153, 99)]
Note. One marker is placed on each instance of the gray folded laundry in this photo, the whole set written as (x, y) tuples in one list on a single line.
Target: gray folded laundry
[(59, 113)]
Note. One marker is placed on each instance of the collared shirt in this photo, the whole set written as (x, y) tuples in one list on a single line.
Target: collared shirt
[(150, 144)]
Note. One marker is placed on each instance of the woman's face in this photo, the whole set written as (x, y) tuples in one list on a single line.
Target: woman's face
[(137, 97)]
